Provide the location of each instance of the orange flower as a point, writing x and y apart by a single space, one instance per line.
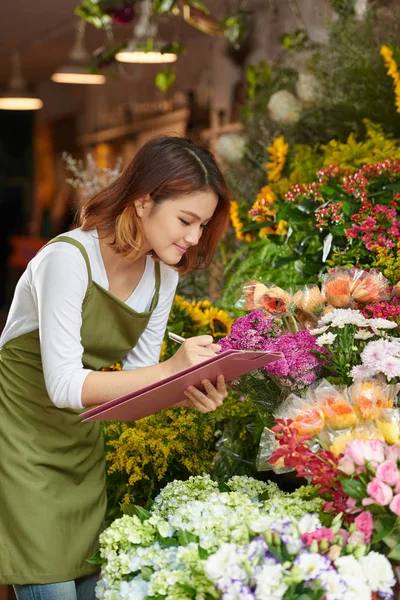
253 292
339 414
370 287
370 397
275 300
310 421
337 291
311 301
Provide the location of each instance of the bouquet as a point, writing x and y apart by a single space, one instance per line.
200 543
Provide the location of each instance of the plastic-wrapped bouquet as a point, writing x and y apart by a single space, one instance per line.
200 543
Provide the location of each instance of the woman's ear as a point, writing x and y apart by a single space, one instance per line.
143 205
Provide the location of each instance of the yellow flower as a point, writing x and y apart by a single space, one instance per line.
219 321
392 71
277 154
237 224
389 431
202 304
163 349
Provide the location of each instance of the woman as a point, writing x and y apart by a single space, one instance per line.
97 295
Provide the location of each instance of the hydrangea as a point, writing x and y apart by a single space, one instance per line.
229 545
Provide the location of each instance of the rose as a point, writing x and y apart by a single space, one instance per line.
365 524
363 451
346 465
379 492
393 453
395 504
388 472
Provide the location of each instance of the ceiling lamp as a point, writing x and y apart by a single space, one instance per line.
143 48
16 96
75 71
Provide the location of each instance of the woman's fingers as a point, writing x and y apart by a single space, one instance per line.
211 400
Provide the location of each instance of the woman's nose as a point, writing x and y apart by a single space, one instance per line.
192 237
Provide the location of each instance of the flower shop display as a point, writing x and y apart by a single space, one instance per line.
339 377
198 542
362 483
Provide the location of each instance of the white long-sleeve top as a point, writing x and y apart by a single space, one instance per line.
49 297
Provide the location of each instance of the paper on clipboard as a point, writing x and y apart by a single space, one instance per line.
164 394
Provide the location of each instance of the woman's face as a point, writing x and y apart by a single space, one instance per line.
172 226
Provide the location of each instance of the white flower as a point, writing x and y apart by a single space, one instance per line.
136 589
378 573
307 88
363 334
361 372
261 524
309 524
334 585
270 584
326 339
217 564
284 107
319 330
312 565
352 573
381 323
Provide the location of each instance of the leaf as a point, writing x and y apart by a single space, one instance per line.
306 206
284 261
163 6
146 572
394 554
133 510
353 488
186 537
380 535
95 559
200 5
203 554
281 214
327 245
164 79
191 592
255 226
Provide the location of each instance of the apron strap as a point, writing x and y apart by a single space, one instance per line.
81 248
157 286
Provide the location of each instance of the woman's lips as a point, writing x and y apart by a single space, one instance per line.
180 249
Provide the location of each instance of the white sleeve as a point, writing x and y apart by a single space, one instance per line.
147 350
59 285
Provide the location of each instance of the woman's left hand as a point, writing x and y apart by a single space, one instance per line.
208 401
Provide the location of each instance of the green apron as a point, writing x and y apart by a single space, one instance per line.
52 466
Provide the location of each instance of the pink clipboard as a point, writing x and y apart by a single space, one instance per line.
164 394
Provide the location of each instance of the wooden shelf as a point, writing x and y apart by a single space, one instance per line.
144 124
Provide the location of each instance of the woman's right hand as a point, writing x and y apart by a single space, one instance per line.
193 351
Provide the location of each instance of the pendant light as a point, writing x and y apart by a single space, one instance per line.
75 71
17 96
144 31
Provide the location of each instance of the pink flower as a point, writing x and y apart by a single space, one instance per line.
388 472
346 465
362 451
365 524
321 534
395 504
379 492
393 453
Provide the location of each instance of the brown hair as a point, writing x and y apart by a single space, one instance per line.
164 167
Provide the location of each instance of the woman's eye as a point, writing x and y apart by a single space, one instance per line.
184 222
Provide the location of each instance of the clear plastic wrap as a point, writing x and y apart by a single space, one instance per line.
270 298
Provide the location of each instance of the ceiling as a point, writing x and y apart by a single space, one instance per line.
43 34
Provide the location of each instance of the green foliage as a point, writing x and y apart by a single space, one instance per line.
164 79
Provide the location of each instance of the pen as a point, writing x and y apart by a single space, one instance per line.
175 337
178 338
